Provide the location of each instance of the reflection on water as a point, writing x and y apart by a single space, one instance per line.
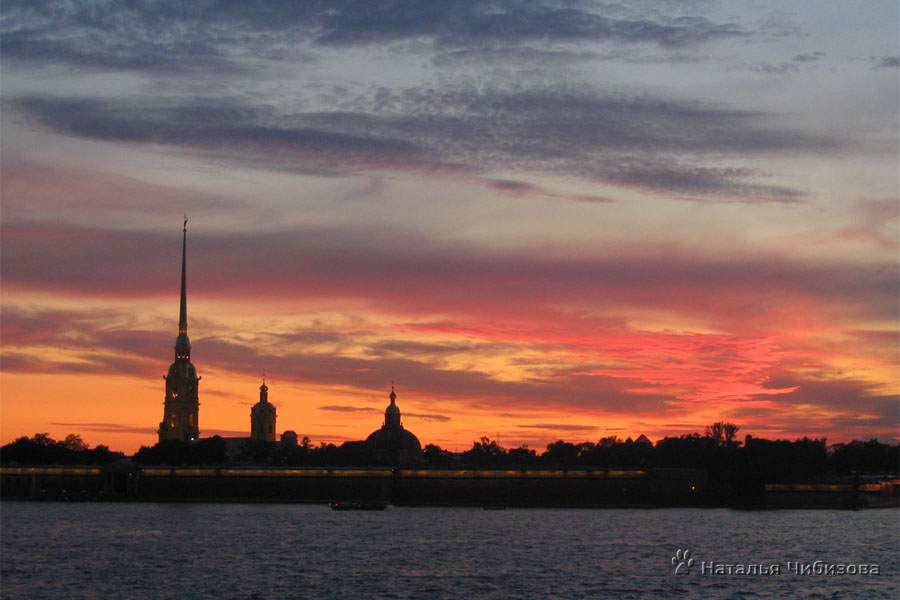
134 551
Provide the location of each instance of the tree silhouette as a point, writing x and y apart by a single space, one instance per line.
723 433
562 454
75 443
436 456
484 453
41 449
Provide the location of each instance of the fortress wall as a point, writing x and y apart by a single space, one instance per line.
455 487
843 495
576 487
543 487
278 485
51 483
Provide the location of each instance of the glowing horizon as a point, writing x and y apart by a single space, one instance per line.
575 224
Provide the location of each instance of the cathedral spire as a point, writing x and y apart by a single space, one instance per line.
181 408
183 343
182 317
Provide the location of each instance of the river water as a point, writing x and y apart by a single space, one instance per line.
273 551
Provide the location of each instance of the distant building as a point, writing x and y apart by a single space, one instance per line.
262 417
392 441
643 439
181 406
289 439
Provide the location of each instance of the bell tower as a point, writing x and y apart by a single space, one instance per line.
181 406
262 417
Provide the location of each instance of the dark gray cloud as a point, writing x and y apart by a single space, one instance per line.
810 57
464 22
639 142
218 34
515 187
780 68
888 62
108 35
213 124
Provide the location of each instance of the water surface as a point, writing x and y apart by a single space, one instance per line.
275 551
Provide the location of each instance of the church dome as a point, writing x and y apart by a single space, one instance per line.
392 438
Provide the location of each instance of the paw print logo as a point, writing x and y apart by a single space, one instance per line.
682 562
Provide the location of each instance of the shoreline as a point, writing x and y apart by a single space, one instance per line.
506 488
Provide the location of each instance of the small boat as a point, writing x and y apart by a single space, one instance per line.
358 505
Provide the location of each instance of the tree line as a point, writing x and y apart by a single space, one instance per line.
41 449
731 463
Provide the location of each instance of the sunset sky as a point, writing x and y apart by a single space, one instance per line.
543 220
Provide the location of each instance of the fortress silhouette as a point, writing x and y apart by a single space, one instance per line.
181 407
